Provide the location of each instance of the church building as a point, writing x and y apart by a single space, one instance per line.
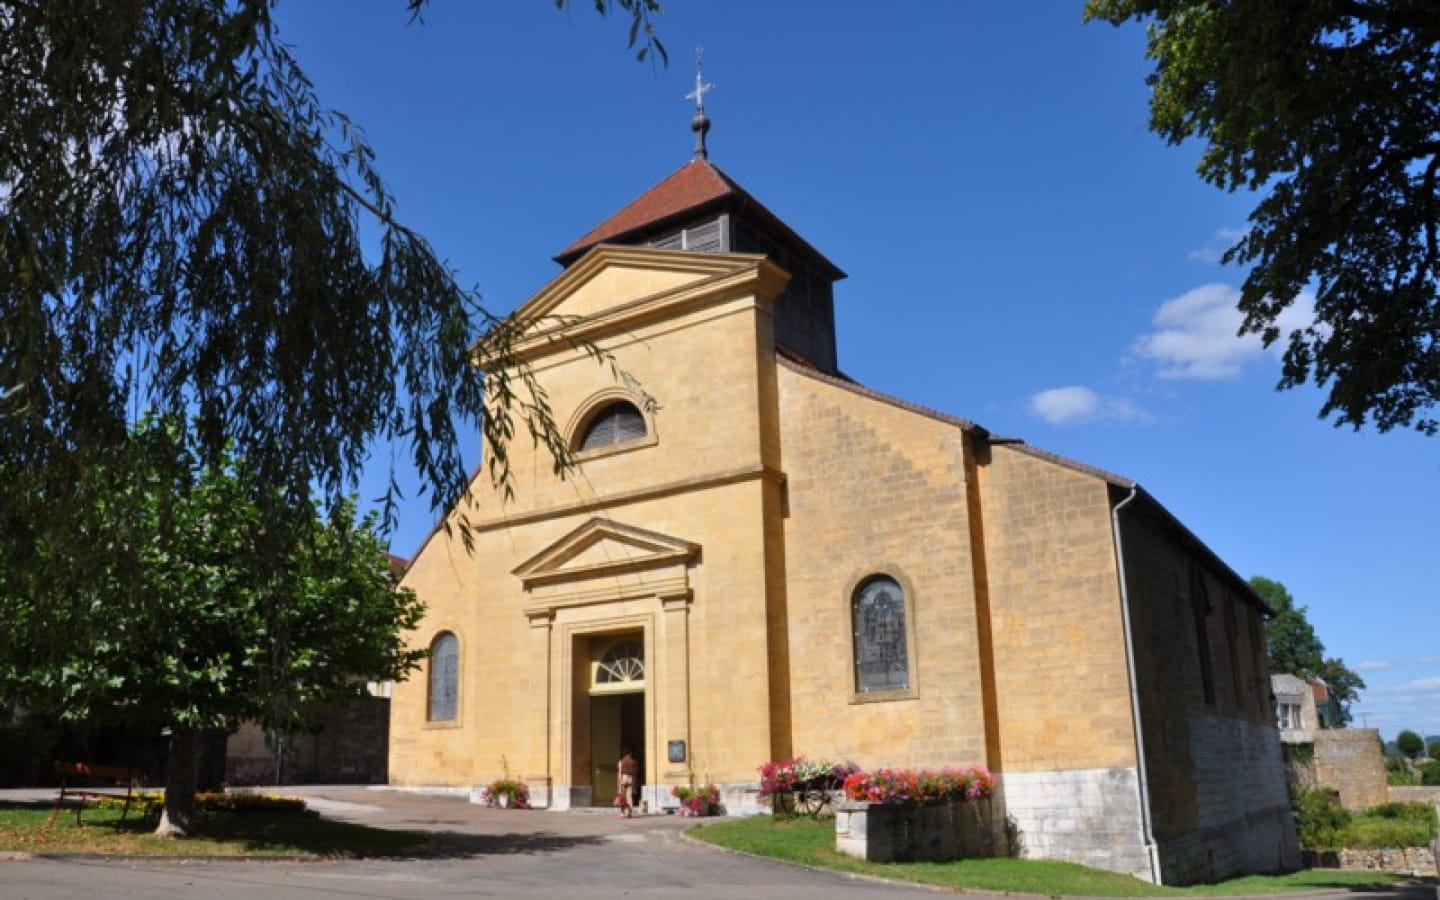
757 558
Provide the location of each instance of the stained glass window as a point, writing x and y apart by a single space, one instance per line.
882 661
445 678
615 424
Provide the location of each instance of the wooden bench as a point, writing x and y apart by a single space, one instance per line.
131 779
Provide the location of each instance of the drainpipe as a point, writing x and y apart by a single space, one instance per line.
1147 831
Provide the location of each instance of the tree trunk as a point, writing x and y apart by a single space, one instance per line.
180 814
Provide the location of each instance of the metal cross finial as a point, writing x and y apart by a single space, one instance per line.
700 123
702 87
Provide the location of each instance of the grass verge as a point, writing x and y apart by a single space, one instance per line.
812 843
27 828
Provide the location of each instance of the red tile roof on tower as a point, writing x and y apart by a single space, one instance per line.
691 186
694 186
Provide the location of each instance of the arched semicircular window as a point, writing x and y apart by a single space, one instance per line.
615 423
882 654
444 678
624 662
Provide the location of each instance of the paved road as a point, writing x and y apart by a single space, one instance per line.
482 853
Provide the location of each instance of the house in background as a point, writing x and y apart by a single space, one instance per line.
1295 708
758 557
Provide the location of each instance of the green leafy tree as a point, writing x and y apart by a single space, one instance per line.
202 612
1410 744
1293 647
1330 109
181 224
1432 749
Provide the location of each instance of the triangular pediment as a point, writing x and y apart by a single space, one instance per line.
609 277
603 547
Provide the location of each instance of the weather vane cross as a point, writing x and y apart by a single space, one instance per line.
702 87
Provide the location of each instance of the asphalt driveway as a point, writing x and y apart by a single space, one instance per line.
477 852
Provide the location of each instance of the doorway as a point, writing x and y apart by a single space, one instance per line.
617 724
617 712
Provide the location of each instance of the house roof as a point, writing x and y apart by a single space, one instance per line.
694 187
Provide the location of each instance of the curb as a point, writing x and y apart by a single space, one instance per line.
23 856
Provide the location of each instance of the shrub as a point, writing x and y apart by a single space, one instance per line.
1319 820
1430 772
1416 812
1366 833
907 787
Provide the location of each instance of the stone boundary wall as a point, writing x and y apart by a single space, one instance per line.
1415 794
1350 761
1416 861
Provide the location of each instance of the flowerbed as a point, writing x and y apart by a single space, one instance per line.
911 787
215 801
698 801
801 774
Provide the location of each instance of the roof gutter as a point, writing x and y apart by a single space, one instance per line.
1147 831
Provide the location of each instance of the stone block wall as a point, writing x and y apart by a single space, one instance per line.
1351 761
1215 772
1089 816
1241 803
875 488
1418 862
937 832
349 748
1415 794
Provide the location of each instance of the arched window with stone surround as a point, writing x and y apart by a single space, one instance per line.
615 423
444 678
881 632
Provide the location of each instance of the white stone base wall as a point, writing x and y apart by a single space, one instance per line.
1243 819
1086 816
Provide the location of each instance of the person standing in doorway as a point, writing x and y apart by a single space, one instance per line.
625 772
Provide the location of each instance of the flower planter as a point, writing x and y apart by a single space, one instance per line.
930 832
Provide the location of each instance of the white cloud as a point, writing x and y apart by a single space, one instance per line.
1413 688
1076 404
1374 665
1196 335
1223 239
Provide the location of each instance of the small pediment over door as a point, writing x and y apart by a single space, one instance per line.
605 561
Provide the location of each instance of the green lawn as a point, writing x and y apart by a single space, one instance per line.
813 843
27 828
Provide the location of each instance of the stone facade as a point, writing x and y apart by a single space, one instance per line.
726 551
1351 761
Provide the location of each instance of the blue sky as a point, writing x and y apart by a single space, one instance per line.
1021 250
